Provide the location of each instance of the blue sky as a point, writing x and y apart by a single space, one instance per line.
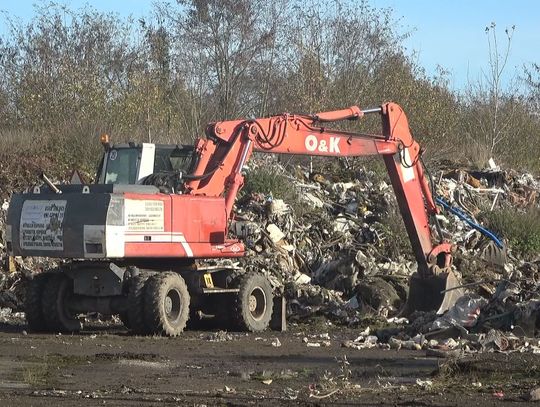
449 33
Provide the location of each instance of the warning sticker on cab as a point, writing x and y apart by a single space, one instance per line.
41 226
144 215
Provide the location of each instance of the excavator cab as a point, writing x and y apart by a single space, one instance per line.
131 163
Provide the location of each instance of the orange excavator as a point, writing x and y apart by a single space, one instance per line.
134 237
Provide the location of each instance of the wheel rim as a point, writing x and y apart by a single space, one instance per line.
173 305
257 303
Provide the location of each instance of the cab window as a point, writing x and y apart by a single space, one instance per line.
122 166
172 159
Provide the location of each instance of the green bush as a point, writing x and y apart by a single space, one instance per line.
267 181
520 228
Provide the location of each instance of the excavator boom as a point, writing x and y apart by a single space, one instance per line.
229 144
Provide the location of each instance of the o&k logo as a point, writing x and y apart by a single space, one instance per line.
312 143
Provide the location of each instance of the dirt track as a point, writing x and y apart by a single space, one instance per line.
105 366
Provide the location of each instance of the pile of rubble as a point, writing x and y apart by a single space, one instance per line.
325 250
8 297
337 248
15 272
328 251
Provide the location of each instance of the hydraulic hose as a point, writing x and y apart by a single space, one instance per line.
464 217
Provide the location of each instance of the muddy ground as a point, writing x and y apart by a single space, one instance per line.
106 366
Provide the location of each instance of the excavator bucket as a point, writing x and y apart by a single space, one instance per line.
433 293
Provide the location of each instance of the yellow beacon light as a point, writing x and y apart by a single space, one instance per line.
105 141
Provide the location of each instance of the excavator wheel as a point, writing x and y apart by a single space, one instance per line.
57 316
32 304
254 303
124 317
166 304
135 312
433 293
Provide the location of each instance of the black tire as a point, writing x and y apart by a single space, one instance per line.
32 304
254 303
56 314
166 305
135 313
124 317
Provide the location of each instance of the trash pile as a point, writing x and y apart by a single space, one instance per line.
335 246
15 272
328 252
325 252
8 297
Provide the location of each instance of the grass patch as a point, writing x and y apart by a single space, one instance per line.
396 241
489 370
42 371
36 375
520 228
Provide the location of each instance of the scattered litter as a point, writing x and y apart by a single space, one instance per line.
219 336
425 384
275 233
498 394
291 394
398 321
400 344
465 312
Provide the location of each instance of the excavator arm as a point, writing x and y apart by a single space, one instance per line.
229 144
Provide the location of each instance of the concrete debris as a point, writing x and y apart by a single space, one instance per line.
276 343
534 395
274 233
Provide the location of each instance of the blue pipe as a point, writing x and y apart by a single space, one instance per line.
464 217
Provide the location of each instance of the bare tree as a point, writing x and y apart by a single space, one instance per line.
489 107
218 46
